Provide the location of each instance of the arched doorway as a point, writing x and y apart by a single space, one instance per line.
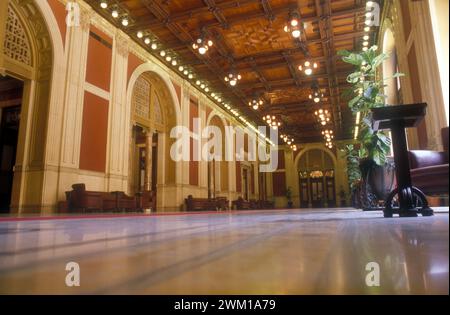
26 61
316 173
153 116
218 168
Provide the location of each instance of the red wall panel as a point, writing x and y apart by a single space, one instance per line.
133 63
94 133
60 13
279 184
98 68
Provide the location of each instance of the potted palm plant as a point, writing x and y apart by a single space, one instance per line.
366 93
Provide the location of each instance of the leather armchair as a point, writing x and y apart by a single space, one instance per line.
429 169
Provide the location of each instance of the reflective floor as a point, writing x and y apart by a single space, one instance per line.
273 252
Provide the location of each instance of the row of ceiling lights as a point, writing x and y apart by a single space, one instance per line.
369 15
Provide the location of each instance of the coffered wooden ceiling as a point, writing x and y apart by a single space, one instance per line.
249 35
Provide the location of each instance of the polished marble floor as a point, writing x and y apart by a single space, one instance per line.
271 252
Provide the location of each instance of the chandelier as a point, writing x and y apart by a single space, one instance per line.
256 103
316 94
328 136
202 45
323 116
293 25
289 141
307 67
232 78
272 122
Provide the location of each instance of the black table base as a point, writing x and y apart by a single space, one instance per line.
406 200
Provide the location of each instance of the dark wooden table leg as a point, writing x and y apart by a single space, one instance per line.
404 185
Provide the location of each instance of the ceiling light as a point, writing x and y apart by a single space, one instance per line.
162 53
181 68
115 14
147 41
168 58
255 103
202 45
154 46
174 62
306 67
367 29
103 4
232 78
316 94
190 76
293 25
125 22
185 72
366 43
366 37
140 34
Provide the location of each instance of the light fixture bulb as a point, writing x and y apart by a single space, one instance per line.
103 4
296 33
202 50
125 22
308 71
147 41
115 14
140 34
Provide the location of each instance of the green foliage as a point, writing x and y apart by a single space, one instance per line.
354 174
366 94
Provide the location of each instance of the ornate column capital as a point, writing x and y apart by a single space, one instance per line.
122 45
86 16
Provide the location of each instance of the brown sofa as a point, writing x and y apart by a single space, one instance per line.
429 169
82 200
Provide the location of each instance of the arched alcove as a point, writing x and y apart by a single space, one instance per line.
316 169
153 115
28 57
218 170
